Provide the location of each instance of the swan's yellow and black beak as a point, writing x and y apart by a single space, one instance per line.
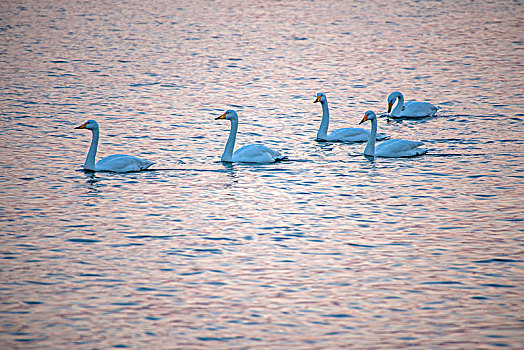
317 100
83 126
364 119
223 116
390 104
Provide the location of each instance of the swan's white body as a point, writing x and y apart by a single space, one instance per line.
410 109
394 148
119 163
339 135
249 153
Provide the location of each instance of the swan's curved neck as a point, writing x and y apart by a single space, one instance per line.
322 131
370 147
90 160
398 108
227 156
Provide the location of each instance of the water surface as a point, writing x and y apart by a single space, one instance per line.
325 250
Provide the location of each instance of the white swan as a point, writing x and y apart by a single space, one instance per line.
339 135
117 163
410 109
249 153
393 148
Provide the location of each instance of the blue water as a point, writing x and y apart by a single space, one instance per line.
326 250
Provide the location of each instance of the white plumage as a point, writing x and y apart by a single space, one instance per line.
339 135
409 109
249 153
119 163
391 148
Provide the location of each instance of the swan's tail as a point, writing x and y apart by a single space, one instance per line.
281 159
145 164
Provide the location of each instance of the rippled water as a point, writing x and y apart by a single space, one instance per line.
325 250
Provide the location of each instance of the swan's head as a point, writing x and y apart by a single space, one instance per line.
369 115
321 97
90 124
229 115
392 98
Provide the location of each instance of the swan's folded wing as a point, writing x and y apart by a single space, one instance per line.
418 109
122 163
349 135
399 148
256 154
